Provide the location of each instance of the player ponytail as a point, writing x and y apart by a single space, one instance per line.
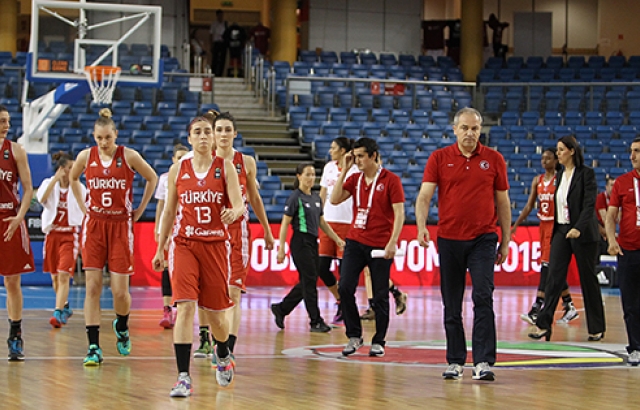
104 119
211 116
61 159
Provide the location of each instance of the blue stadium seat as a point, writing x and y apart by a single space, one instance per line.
530 118
552 118
604 132
583 132
573 118
593 118
628 132
592 146
620 147
607 160
509 118
358 115
634 118
614 118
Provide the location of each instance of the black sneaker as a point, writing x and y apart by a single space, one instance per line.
279 317
15 349
320 327
337 319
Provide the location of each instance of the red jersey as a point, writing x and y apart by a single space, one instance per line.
9 197
466 190
61 222
238 164
546 191
379 225
200 202
623 195
602 202
261 36
109 186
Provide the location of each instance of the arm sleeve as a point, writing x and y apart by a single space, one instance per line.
350 185
502 181
431 170
291 206
323 178
615 199
396 192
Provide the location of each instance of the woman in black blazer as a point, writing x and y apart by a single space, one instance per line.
575 232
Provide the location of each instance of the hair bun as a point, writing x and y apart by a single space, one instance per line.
105 113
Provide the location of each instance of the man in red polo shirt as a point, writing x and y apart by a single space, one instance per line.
378 216
625 195
472 195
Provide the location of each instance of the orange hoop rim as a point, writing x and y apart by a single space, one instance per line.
97 71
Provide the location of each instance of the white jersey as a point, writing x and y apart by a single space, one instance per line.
161 195
342 213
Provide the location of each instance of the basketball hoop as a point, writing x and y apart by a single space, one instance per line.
102 81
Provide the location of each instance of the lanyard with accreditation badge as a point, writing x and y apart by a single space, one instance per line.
363 213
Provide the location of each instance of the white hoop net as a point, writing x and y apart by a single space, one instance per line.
102 82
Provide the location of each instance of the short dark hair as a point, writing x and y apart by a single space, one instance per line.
571 142
554 151
370 145
3 108
225 116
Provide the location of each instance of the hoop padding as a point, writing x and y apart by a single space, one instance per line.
102 82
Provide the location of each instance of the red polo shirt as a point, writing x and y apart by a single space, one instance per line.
623 196
602 202
466 190
379 226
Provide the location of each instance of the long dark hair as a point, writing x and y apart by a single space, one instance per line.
61 159
299 170
571 143
344 143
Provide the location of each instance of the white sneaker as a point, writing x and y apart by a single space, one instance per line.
354 344
376 350
570 313
224 370
482 371
182 388
634 358
453 372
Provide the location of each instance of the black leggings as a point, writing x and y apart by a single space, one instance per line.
324 270
166 283
304 251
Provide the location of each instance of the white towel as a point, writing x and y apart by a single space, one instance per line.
50 206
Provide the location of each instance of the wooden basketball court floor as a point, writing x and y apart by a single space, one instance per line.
296 369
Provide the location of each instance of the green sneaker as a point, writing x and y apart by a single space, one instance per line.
94 356
204 350
123 344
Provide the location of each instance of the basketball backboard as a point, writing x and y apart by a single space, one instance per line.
67 36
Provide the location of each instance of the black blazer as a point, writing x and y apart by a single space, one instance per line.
581 200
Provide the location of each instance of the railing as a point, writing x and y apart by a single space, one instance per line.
354 81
